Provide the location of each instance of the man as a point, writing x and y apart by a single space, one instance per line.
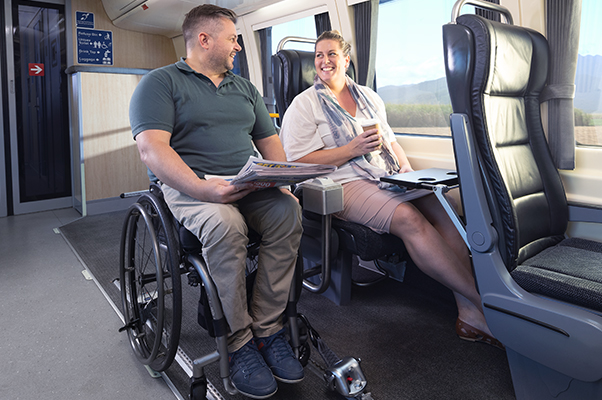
196 117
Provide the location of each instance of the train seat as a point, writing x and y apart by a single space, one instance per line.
293 72
541 291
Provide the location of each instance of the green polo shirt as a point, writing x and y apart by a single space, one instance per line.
212 128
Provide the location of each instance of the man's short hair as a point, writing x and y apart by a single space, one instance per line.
200 17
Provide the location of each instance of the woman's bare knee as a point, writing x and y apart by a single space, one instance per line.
407 220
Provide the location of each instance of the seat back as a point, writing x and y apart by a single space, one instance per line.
293 71
495 74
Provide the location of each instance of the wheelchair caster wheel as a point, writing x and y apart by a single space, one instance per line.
198 388
304 353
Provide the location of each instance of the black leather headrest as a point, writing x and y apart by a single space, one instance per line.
293 71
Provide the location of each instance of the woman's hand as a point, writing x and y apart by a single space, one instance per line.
365 143
405 168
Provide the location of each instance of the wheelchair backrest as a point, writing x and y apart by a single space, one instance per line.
495 74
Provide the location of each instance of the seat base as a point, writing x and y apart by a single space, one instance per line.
339 291
571 271
532 380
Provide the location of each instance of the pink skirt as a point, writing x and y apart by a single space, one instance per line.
364 203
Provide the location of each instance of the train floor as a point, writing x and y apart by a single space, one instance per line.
60 336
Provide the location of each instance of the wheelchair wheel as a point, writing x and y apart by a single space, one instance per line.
150 283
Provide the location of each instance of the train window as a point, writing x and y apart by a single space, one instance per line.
271 36
240 61
303 27
588 79
410 73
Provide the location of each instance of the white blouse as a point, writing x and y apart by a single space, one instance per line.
305 129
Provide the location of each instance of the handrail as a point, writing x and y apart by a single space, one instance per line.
293 39
482 4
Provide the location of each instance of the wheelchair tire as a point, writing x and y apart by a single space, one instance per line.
198 388
151 292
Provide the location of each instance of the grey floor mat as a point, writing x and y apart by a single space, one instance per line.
403 332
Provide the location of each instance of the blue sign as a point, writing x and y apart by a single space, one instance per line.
94 47
84 20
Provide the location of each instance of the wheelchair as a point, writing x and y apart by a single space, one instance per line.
156 250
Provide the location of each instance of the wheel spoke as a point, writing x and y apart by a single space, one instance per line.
150 282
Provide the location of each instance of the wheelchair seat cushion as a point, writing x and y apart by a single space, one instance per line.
189 242
570 271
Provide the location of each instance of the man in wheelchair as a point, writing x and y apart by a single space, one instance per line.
194 118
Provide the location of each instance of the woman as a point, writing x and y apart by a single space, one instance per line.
322 126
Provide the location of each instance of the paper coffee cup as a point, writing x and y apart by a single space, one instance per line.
368 124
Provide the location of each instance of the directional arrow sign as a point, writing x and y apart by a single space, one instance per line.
36 69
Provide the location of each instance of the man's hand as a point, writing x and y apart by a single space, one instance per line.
288 192
221 191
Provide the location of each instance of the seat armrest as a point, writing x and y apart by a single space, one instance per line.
479 229
585 213
322 196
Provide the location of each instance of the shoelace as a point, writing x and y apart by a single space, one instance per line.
249 360
279 347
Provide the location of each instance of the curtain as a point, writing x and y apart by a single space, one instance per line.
366 20
562 24
242 59
322 23
265 47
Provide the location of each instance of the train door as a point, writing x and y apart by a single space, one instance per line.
36 131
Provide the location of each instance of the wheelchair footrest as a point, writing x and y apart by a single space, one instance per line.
346 377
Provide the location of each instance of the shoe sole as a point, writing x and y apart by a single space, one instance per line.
283 380
254 396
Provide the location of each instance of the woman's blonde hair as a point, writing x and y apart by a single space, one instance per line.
337 37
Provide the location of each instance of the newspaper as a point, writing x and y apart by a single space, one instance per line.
265 173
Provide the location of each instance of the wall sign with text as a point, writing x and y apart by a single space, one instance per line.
94 47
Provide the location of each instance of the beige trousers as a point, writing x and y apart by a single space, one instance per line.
223 229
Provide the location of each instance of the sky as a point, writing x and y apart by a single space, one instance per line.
400 62
591 29
402 59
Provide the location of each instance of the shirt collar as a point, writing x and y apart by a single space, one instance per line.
182 66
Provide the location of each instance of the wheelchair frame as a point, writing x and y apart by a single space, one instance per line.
152 261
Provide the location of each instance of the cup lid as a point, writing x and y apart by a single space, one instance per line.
368 122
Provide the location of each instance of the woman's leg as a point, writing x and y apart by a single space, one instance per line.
439 251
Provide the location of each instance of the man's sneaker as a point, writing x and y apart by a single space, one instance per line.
249 373
279 355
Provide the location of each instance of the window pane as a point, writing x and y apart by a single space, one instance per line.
409 64
588 79
304 27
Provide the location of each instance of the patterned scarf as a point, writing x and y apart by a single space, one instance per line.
344 128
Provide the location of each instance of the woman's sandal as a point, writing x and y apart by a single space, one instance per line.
472 334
